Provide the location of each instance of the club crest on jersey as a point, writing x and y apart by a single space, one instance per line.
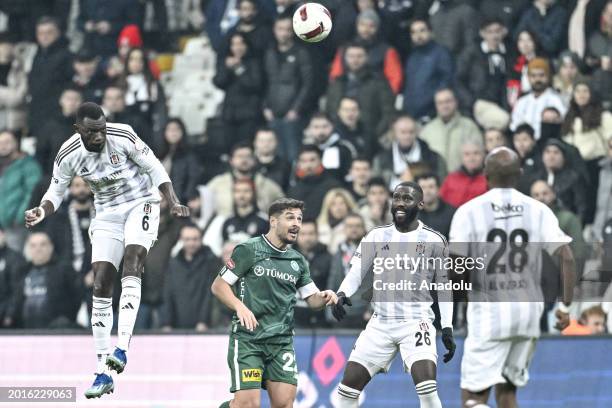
114 158
420 248
295 266
147 208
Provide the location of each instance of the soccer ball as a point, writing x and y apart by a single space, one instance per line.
312 22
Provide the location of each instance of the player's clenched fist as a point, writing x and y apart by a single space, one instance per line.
449 343
179 210
338 308
329 297
563 320
246 317
34 216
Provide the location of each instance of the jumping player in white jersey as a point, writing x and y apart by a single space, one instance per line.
502 330
402 320
124 176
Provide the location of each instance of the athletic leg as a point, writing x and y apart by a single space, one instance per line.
282 395
133 265
505 396
470 398
354 380
424 377
244 399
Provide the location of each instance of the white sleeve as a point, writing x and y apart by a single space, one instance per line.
460 232
307 290
62 176
142 155
445 297
552 235
357 270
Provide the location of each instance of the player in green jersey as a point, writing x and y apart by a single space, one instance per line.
259 283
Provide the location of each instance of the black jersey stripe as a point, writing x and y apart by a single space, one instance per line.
65 149
129 134
425 227
65 154
383 226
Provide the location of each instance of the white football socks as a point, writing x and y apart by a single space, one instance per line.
101 325
128 310
428 394
347 397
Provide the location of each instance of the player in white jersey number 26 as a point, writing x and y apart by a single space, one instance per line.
403 318
125 178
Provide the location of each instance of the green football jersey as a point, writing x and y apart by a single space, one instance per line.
266 279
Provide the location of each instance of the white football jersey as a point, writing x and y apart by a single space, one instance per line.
124 172
397 293
510 230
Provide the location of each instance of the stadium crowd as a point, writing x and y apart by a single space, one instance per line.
401 90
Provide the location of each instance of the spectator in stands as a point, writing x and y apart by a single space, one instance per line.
269 162
547 19
449 130
144 96
312 181
350 127
52 290
179 160
86 76
568 221
382 59
115 110
358 178
288 96
187 295
239 74
337 152
12 272
494 138
429 67
253 26
603 213
337 204
376 210
482 68
454 24
102 20
19 174
129 38
584 18
396 17
13 86
242 163
509 11
436 213
370 89
246 219
564 179
588 127
50 74
469 180
592 321
319 262
567 76
394 164
523 141
529 107
599 56
527 48
353 231
155 267
58 129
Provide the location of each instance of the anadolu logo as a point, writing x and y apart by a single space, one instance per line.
259 270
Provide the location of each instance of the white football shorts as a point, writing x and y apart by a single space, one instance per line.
377 345
110 237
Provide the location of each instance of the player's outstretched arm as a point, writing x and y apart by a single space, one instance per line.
223 291
37 214
321 299
568 272
176 208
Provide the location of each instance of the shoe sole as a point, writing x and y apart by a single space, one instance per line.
115 364
90 396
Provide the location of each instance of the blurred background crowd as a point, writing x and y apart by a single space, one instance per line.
241 112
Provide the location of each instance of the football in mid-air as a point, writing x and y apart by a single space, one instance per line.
312 22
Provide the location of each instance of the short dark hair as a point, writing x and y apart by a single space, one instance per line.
354 215
350 98
426 176
48 20
311 221
487 21
89 110
361 158
355 44
190 224
524 128
240 145
282 204
411 184
377 181
419 20
321 115
310 148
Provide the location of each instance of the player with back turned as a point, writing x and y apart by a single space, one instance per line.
402 321
503 316
259 283
125 178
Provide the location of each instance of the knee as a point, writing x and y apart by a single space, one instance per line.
132 265
287 403
250 403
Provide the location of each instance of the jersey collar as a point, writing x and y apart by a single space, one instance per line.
272 245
